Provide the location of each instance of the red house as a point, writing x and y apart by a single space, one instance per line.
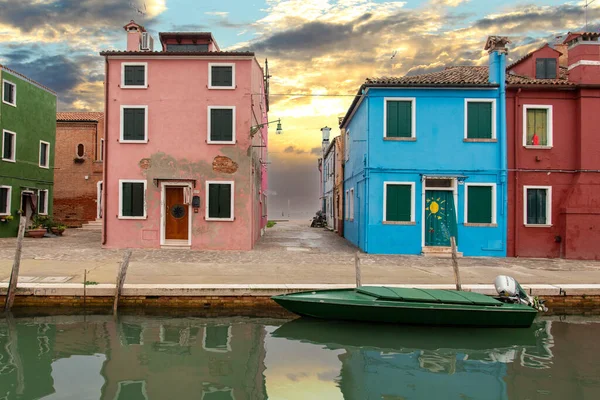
553 121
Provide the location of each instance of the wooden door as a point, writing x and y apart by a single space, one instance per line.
176 214
440 217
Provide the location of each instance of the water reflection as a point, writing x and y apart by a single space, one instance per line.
222 359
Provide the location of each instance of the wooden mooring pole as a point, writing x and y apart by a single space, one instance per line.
357 268
455 263
121 273
14 275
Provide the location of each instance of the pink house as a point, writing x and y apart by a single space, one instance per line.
185 146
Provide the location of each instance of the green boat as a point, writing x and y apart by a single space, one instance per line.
413 306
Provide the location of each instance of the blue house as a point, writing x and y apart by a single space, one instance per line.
426 160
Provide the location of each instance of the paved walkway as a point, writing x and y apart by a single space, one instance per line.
290 253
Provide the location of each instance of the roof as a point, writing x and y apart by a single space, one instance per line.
526 56
177 53
75 116
589 36
463 76
331 145
20 75
175 35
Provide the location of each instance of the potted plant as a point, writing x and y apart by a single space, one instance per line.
37 229
58 229
6 218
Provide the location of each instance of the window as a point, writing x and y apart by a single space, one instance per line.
537 126
44 154
352 204
399 118
132 199
480 119
347 205
134 124
398 201
219 201
43 202
134 75
5 196
9 93
187 47
101 150
480 203
218 394
545 68
132 334
221 125
217 338
8 145
347 145
538 205
80 150
221 76
131 390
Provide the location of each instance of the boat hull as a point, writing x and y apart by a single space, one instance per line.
412 313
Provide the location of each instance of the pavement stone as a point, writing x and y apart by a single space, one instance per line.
289 253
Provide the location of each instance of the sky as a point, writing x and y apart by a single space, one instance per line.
319 52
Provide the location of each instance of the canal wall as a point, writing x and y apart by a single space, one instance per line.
253 300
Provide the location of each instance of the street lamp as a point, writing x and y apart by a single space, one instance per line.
255 128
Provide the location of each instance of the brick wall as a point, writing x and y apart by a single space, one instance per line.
75 197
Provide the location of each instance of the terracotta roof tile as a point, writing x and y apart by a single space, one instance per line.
73 116
451 76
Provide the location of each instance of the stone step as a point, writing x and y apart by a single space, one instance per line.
439 251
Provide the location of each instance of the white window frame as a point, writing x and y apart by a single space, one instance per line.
347 203
233 122
549 123
467 101
229 336
352 204
212 390
14 91
121 182
122 125
123 383
347 145
413 109
101 149
232 184
8 200
232 65
47 166
134 64
494 204
45 202
14 146
548 206
412 201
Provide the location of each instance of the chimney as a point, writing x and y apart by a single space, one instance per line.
584 57
325 131
563 60
496 47
134 35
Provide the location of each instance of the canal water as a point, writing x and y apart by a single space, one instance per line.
135 358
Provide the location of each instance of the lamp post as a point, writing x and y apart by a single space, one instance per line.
255 128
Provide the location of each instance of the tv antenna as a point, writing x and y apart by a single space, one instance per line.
585 7
392 61
141 11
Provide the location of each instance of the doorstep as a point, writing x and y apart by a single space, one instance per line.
438 251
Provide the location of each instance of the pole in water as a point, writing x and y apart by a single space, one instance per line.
357 268
455 263
121 272
14 275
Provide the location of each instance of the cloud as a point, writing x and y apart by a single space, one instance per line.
316 151
448 3
294 150
218 13
189 28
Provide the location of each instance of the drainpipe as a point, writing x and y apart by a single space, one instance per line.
503 144
105 157
366 194
516 191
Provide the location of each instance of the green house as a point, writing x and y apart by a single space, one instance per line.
28 128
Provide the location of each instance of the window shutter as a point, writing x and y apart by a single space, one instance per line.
137 199
222 76
540 68
213 201
479 120
551 68
221 124
42 202
536 206
3 200
8 92
399 119
127 200
479 207
140 123
129 78
43 154
392 119
139 75
537 122
398 203
225 201
8 146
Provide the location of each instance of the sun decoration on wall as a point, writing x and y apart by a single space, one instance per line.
436 208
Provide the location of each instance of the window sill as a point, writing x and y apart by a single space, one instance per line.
133 141
399 223
10 104
219 142
473 224
221 87
537 226
400 139
473 140
122 217
531 147
220 219
45 167
9 160
134 87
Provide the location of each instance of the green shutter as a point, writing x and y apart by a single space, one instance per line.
127 195
398 203
133 199
537 122
216 337
8 146
540 69
213 201
4 200
135 75
9 93
225 201
131 391
221 125
399 119
134 124
545 68
479 120
536 206
219 200
43 154
480 203
221 76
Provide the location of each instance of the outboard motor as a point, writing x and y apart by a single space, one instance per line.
509 289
